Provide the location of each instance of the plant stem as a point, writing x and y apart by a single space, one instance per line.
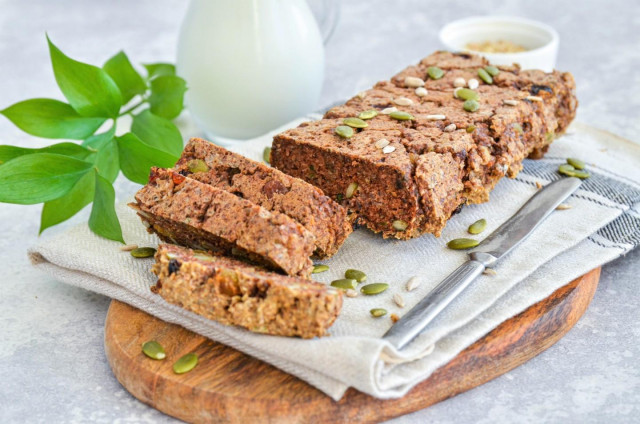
134 107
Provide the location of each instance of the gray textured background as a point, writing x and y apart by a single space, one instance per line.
52 363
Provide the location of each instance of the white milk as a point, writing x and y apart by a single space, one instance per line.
250 65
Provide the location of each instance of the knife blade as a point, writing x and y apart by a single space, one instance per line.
493 248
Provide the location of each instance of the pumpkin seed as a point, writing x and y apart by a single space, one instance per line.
421 92
484 76
143 252
583 175
355 274
566 169
576 163
471 128
375 288
467 94
401 116
344 131
317 269
378 312
471 105
197 165
344 283
351 190
368 114
413 82
492 70
355 122
462 243
478 226
266 155
399 225
434 72
186 363
154 350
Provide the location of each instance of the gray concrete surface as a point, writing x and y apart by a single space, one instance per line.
52 363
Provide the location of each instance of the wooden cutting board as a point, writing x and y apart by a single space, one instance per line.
228 386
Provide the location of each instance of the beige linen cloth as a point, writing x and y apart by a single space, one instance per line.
603 223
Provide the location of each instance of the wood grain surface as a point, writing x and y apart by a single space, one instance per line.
228 386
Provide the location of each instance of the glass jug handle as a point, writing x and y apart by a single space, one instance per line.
328 16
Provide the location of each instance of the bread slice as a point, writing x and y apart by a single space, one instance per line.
443 158
235 293
269 188
187 212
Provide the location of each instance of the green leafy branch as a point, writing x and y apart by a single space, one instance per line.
67 176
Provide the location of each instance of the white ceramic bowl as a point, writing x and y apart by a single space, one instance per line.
540 40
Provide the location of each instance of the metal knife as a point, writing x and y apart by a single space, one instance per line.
493 248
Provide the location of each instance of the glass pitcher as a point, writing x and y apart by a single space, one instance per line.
252 65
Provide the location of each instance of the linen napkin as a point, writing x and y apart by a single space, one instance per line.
602 224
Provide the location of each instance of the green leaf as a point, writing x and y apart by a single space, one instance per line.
159 69
39 177
50 118
106 160
157 132
89 89
167 96
137 158
63 208
66 149
103 220
125 76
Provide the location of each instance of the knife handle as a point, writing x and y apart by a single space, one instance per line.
412 324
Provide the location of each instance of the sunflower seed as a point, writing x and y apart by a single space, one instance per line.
361 95
375 288
435 117
459 82
128 247
563 207
185 363
450 128
143 252
389 110
421 92
351 293
378 312
462 243
510 102
413 82
154 350
473 83
534 98
355 274
403 101
351 190
398 300
399 225
388 149
317 269
489 271
413 283
383 142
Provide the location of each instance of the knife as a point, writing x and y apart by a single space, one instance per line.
492 249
